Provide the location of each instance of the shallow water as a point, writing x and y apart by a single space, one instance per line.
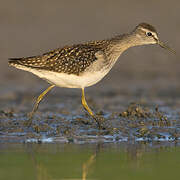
97 161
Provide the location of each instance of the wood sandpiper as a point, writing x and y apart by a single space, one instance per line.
83 65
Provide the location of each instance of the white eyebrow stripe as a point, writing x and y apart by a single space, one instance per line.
144 29
154 35
147 30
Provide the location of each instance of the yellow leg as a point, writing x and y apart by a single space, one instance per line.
39 100
85 105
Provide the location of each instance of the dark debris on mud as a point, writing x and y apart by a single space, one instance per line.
137 123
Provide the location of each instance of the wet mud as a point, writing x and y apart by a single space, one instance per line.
121 119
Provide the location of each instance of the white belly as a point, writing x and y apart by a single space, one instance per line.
68 80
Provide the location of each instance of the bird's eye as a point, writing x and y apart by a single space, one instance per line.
149 34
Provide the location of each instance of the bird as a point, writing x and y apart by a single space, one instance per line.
85 64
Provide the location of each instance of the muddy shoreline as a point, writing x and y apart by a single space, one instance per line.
148 119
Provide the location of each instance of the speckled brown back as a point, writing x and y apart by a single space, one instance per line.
70 59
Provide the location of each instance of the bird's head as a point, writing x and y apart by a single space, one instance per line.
147 34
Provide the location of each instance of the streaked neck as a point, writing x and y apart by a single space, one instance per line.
119 44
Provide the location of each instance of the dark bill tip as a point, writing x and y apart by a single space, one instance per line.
166 47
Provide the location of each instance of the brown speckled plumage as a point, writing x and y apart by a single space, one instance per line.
70 59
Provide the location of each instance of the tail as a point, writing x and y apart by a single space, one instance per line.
14 61
18 63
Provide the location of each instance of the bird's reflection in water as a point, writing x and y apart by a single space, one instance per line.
89 163
42 171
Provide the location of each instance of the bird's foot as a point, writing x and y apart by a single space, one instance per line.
99 121
28 123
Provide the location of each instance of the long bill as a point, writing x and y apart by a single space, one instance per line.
166 47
